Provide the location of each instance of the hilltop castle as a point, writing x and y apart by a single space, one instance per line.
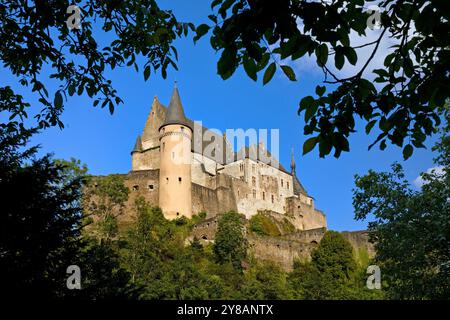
186 169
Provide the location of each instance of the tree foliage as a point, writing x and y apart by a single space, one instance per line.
230 243
103 201
35 40
411 228
39 221
263 35
331 274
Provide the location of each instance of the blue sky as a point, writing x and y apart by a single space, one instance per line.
104 141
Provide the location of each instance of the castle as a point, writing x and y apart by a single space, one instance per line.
186 169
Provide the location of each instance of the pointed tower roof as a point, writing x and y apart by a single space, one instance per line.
292 162
298 187
175 112
137 145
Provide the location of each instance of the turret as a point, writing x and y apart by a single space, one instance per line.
292 162
136 153
175 197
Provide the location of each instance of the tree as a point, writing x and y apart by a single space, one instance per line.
160 263
40 218
411 86
265 280
230 244
103 201
331 274
411 229
38 36
334 256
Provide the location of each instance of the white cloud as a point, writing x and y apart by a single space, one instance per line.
307 64
419 182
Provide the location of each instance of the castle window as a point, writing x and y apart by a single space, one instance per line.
182 129
254 181
264 195
282 182
239 193
150 187
135 188
167 179
164 146
179 179
178 214
254 194
287 184
273 199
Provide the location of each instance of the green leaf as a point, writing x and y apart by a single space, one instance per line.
58 100
320 90
350 53
146 73
201 31
309 145
311 111
383 145
305 103
111 107
264 61
270 71
288 72
250 67
339 60
322 54
71 89
407 151
227 63
370 125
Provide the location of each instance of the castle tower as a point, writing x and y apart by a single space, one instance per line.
136 152
175 197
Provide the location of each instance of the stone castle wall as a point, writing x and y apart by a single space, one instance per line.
286 249
281 251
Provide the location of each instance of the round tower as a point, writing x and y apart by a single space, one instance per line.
175 197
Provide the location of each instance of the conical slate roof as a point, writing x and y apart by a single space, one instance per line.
298 187
175 112
137 145
292 162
